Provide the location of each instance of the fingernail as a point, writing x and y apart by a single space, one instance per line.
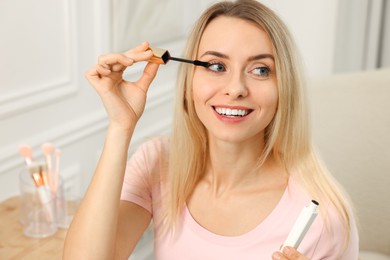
276 256
286 251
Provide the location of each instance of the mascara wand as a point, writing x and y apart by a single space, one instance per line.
162 56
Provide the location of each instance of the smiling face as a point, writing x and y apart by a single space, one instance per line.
236 96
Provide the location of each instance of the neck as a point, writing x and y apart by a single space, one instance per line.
233 165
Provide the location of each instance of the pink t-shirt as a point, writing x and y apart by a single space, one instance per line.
144 186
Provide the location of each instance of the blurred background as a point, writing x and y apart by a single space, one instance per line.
46 46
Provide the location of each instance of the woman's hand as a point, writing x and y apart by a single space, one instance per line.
288 253
124 101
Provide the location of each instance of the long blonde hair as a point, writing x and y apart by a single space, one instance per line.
287 138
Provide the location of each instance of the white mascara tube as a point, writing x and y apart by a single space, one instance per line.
302 225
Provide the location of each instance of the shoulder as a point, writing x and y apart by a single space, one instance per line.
149 156
334 239
152 149
154 145
341 236
337 240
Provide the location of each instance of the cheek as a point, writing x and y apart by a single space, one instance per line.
267 99
272 101
271 96
202 90
266 94
274 98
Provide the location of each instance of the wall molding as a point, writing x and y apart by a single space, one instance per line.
61 136
78 129
103 30
359 35
17 102
163 128
71 180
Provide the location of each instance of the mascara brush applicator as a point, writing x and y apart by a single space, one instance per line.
162 56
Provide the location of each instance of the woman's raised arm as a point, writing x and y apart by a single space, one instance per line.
93 233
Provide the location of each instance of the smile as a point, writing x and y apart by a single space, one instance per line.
231 112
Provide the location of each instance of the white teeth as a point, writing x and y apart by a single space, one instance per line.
231 112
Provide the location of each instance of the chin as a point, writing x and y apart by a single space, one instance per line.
234 138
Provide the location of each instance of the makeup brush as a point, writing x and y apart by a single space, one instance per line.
35 172
26 152
57 170
38 173
47 149
162 56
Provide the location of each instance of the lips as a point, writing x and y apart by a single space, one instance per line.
232 111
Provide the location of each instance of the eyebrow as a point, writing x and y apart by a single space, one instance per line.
252 58
262 56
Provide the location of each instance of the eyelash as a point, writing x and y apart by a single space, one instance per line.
262 68
268 70
216 63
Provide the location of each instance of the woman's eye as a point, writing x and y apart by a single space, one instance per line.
262 71
217 67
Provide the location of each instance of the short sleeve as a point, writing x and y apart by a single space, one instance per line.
137 186
332 243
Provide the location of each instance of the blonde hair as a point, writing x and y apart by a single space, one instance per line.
287 138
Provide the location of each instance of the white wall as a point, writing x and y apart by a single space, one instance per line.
313 25
44 96
41 87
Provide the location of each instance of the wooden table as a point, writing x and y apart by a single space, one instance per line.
15 245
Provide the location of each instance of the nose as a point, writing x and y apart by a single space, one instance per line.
236 86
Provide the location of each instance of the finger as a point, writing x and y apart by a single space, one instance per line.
142 47
280 256
119 60
92 75
102 70
277 256
147 77
96 72
292 254
144 55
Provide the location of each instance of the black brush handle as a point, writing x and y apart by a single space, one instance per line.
195 62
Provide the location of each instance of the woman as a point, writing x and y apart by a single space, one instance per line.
238 168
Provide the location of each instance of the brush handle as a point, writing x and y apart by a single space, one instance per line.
26 152
45 198
57 170
195 62
162 56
